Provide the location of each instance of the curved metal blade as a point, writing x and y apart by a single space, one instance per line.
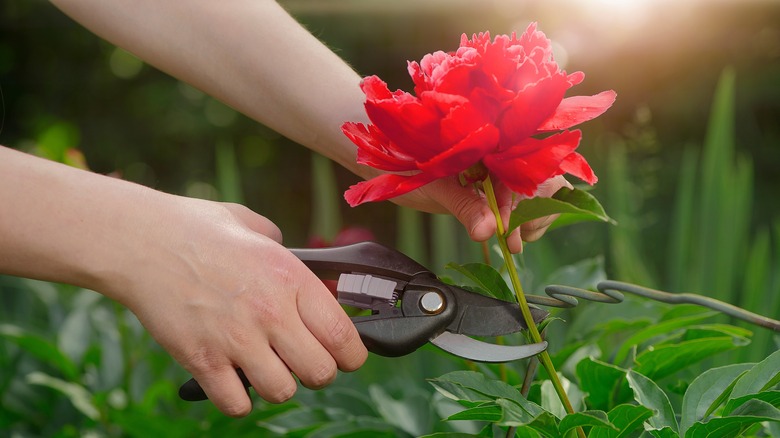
479 315
479 351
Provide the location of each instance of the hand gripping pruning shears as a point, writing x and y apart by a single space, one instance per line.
410 307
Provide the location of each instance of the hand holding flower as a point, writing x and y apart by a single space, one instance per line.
483 109
491 115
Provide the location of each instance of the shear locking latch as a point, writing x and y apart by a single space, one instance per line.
366 291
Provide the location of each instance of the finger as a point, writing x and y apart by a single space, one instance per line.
329 324
468 206
269 375
305 356
552 185
514 239
533 230
225 389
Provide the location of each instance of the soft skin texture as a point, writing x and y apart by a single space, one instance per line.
211 281
256 58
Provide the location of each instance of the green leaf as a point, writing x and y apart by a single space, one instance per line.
552 403
601 381
505 412
666 432
491 400
771 397
485 279
473 389
741 336
356 427
681 311
514 415
649 395
491 412
585 419
448 435
707 392
77 394
665 360
574 205
626 418
762 376
296 420
752 412
410 414
75 334
40 348
660 329
135 423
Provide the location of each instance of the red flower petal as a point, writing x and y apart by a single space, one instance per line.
463 155
575 78
412 126
461 121
375 150
577 109
484 101
576 165
385 187
526 165
530 108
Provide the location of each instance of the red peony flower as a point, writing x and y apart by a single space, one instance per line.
487 102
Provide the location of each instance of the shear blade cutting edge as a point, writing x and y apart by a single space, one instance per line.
479 351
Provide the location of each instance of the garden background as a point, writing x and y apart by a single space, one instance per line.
687 159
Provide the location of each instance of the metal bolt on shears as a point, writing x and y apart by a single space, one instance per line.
410 307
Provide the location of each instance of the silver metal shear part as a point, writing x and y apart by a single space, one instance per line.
409 308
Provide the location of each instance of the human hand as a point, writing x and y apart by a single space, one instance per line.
215 287
447 195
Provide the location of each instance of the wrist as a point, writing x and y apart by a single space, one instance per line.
69 225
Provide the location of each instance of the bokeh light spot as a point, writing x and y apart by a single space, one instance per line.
124 64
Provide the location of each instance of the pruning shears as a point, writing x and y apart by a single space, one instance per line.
410 307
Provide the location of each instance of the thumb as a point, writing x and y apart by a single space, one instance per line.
255 222
467 205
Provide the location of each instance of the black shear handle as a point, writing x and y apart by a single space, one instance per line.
390 337
192 391
364 257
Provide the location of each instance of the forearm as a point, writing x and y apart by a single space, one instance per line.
248 53
63 224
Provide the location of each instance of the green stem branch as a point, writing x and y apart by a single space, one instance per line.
544 357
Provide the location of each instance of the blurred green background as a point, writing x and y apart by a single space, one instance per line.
687 160
663 59
62 84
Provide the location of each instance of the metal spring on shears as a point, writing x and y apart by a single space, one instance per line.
609 291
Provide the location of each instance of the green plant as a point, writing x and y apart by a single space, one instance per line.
622 392
74 363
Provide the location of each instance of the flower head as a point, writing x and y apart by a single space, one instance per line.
496 102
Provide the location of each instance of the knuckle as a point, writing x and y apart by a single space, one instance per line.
342 333
323 375
264 310
203 361
236 409
347 347
281 394
463 207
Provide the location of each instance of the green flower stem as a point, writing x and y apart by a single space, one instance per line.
544 357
